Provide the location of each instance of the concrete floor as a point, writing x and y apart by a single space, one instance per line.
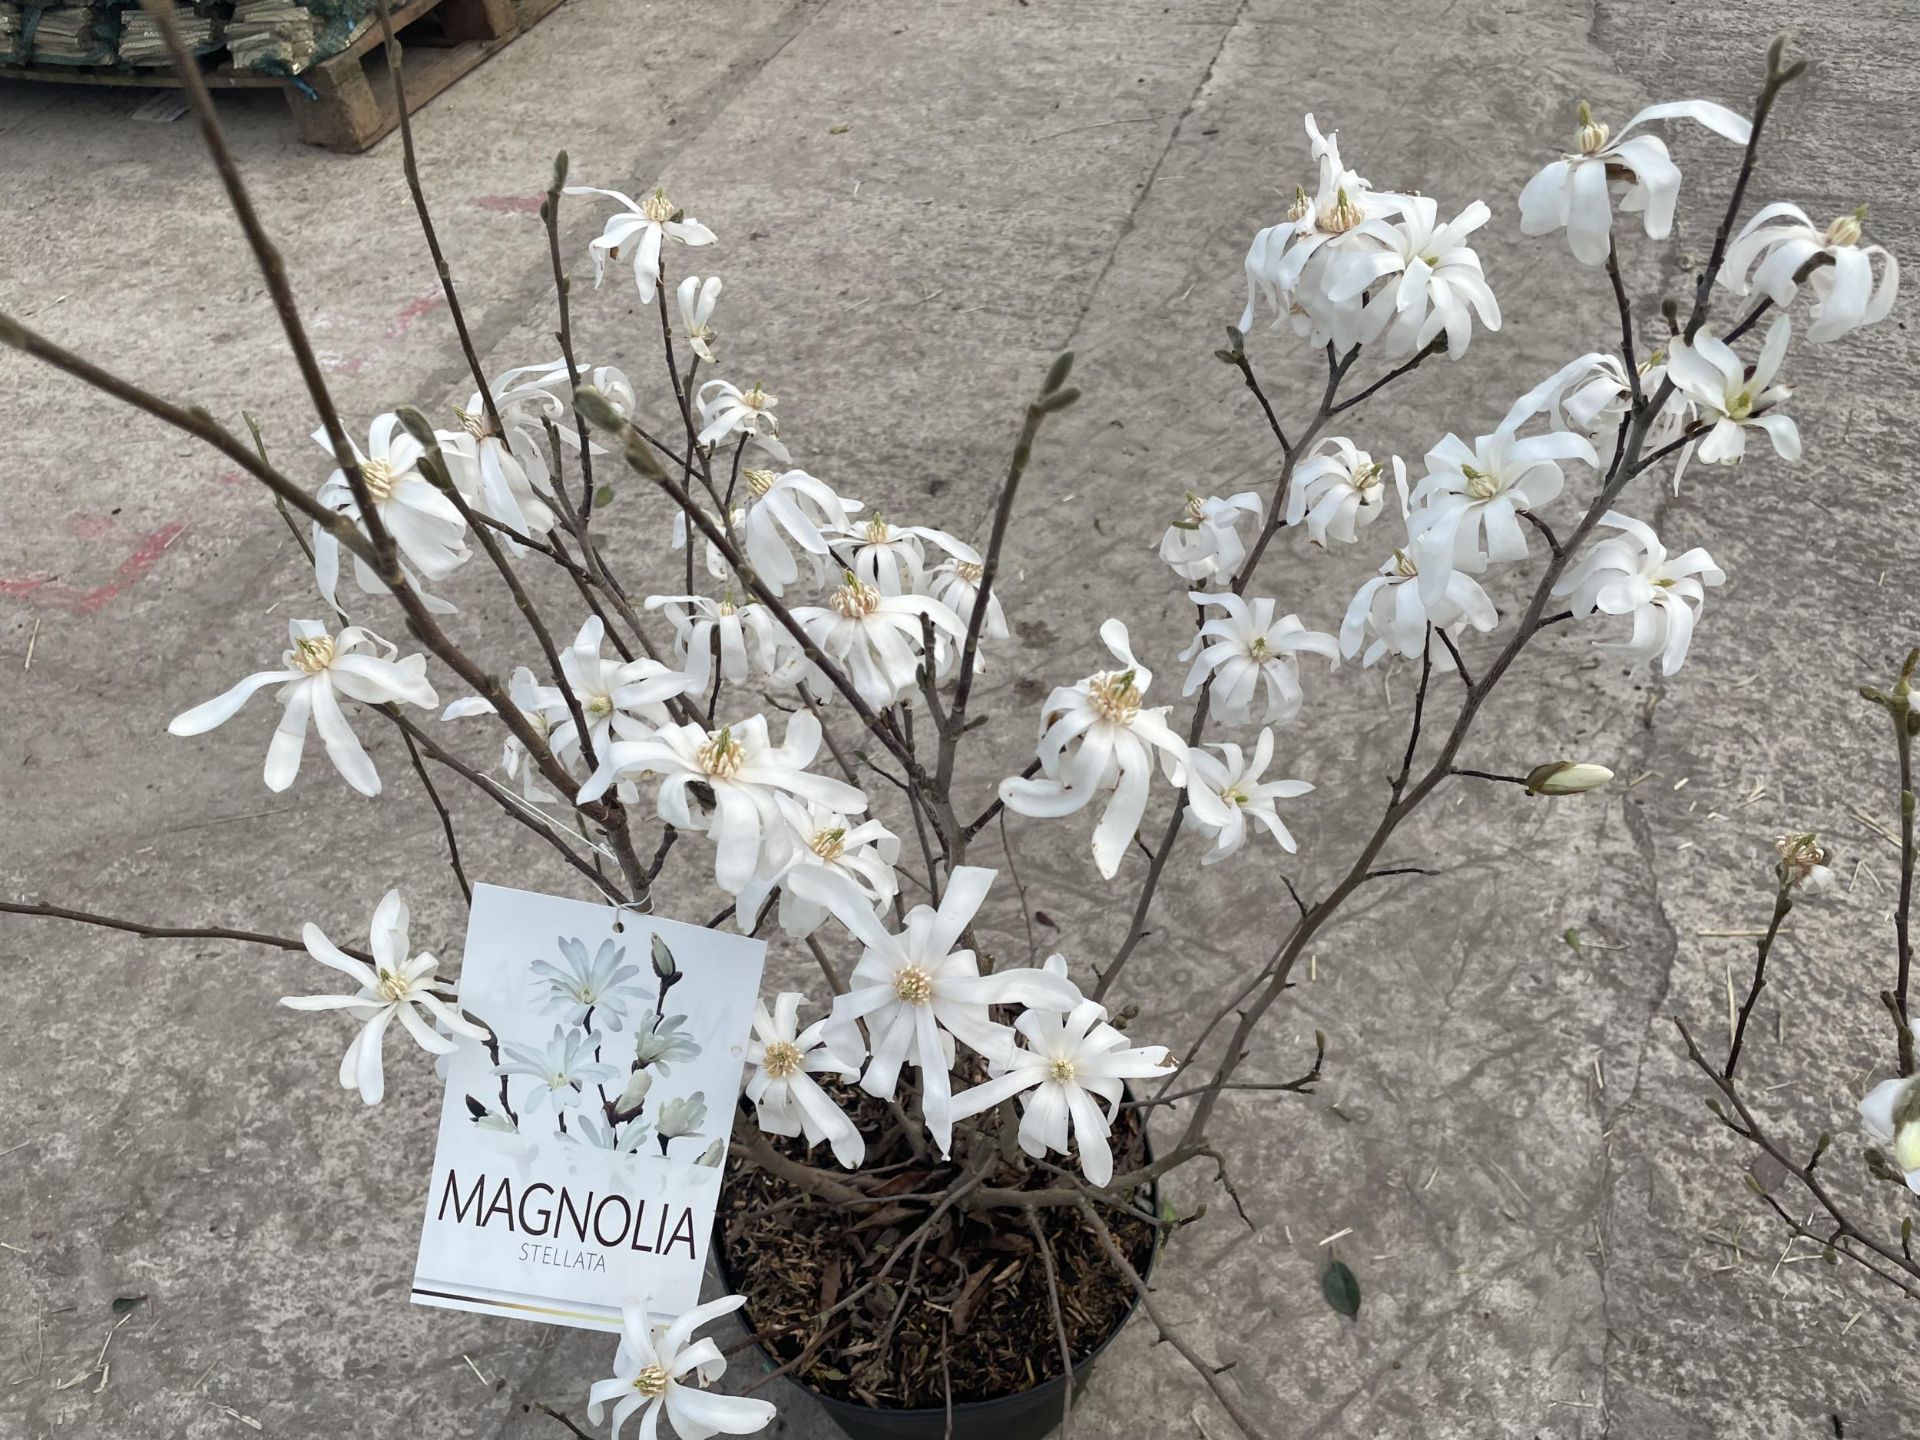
919 205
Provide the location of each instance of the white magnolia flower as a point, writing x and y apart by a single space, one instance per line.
389 990
744 770
1245 648
955 583
620 699
1467 508
317 672
660 1368
1224 791
696 300
555 378
530 698
918 994
582 987
1096 738
1630 574
1891 1113
1389 616
1338 490
680 1117
661 1045
786 1098
876 638
1279 260
1803 863
1574 191
561 1070
425 525
788 509
1593 396
641 229
1423 281
819 837
1204 543
744 637
1071 1060
893 558
594 1134
727 410
1789 246
502 471
1732 397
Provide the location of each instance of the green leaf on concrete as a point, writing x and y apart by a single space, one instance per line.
1572 937
124 1304
1342 1289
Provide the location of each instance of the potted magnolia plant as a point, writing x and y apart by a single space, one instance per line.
941 1195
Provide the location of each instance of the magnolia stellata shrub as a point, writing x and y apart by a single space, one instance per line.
787 595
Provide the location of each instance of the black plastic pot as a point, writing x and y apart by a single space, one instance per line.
1028 1415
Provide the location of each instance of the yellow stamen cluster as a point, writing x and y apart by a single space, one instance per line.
651 1382
1403 565
1302 205
782 1059
1480 485
913 985
379 479
1592 135
856 599
474 425
877 531
656 207
600 705
1341 216
759 481
1366 477
1061 1071
968 571
829 845
721 757
313 654
756 398
392 986
1846 229
1115 697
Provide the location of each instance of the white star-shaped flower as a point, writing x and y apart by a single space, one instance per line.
787 1100
917 993
1226 790
1072 1059
317 672
1630 574
1734 398
390 989
1244 650
1096 738
1792 250
1204 543
661 1368
1574 191
641 229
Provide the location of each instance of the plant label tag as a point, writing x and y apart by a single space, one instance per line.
579 1156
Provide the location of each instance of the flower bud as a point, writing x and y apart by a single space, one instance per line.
635 1095
663 965
1566 777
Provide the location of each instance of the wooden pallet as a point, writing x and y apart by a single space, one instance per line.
346 102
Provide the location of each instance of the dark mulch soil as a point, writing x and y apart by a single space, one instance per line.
979 1293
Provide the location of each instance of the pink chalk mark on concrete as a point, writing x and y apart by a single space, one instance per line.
424 303
55 595
511 204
